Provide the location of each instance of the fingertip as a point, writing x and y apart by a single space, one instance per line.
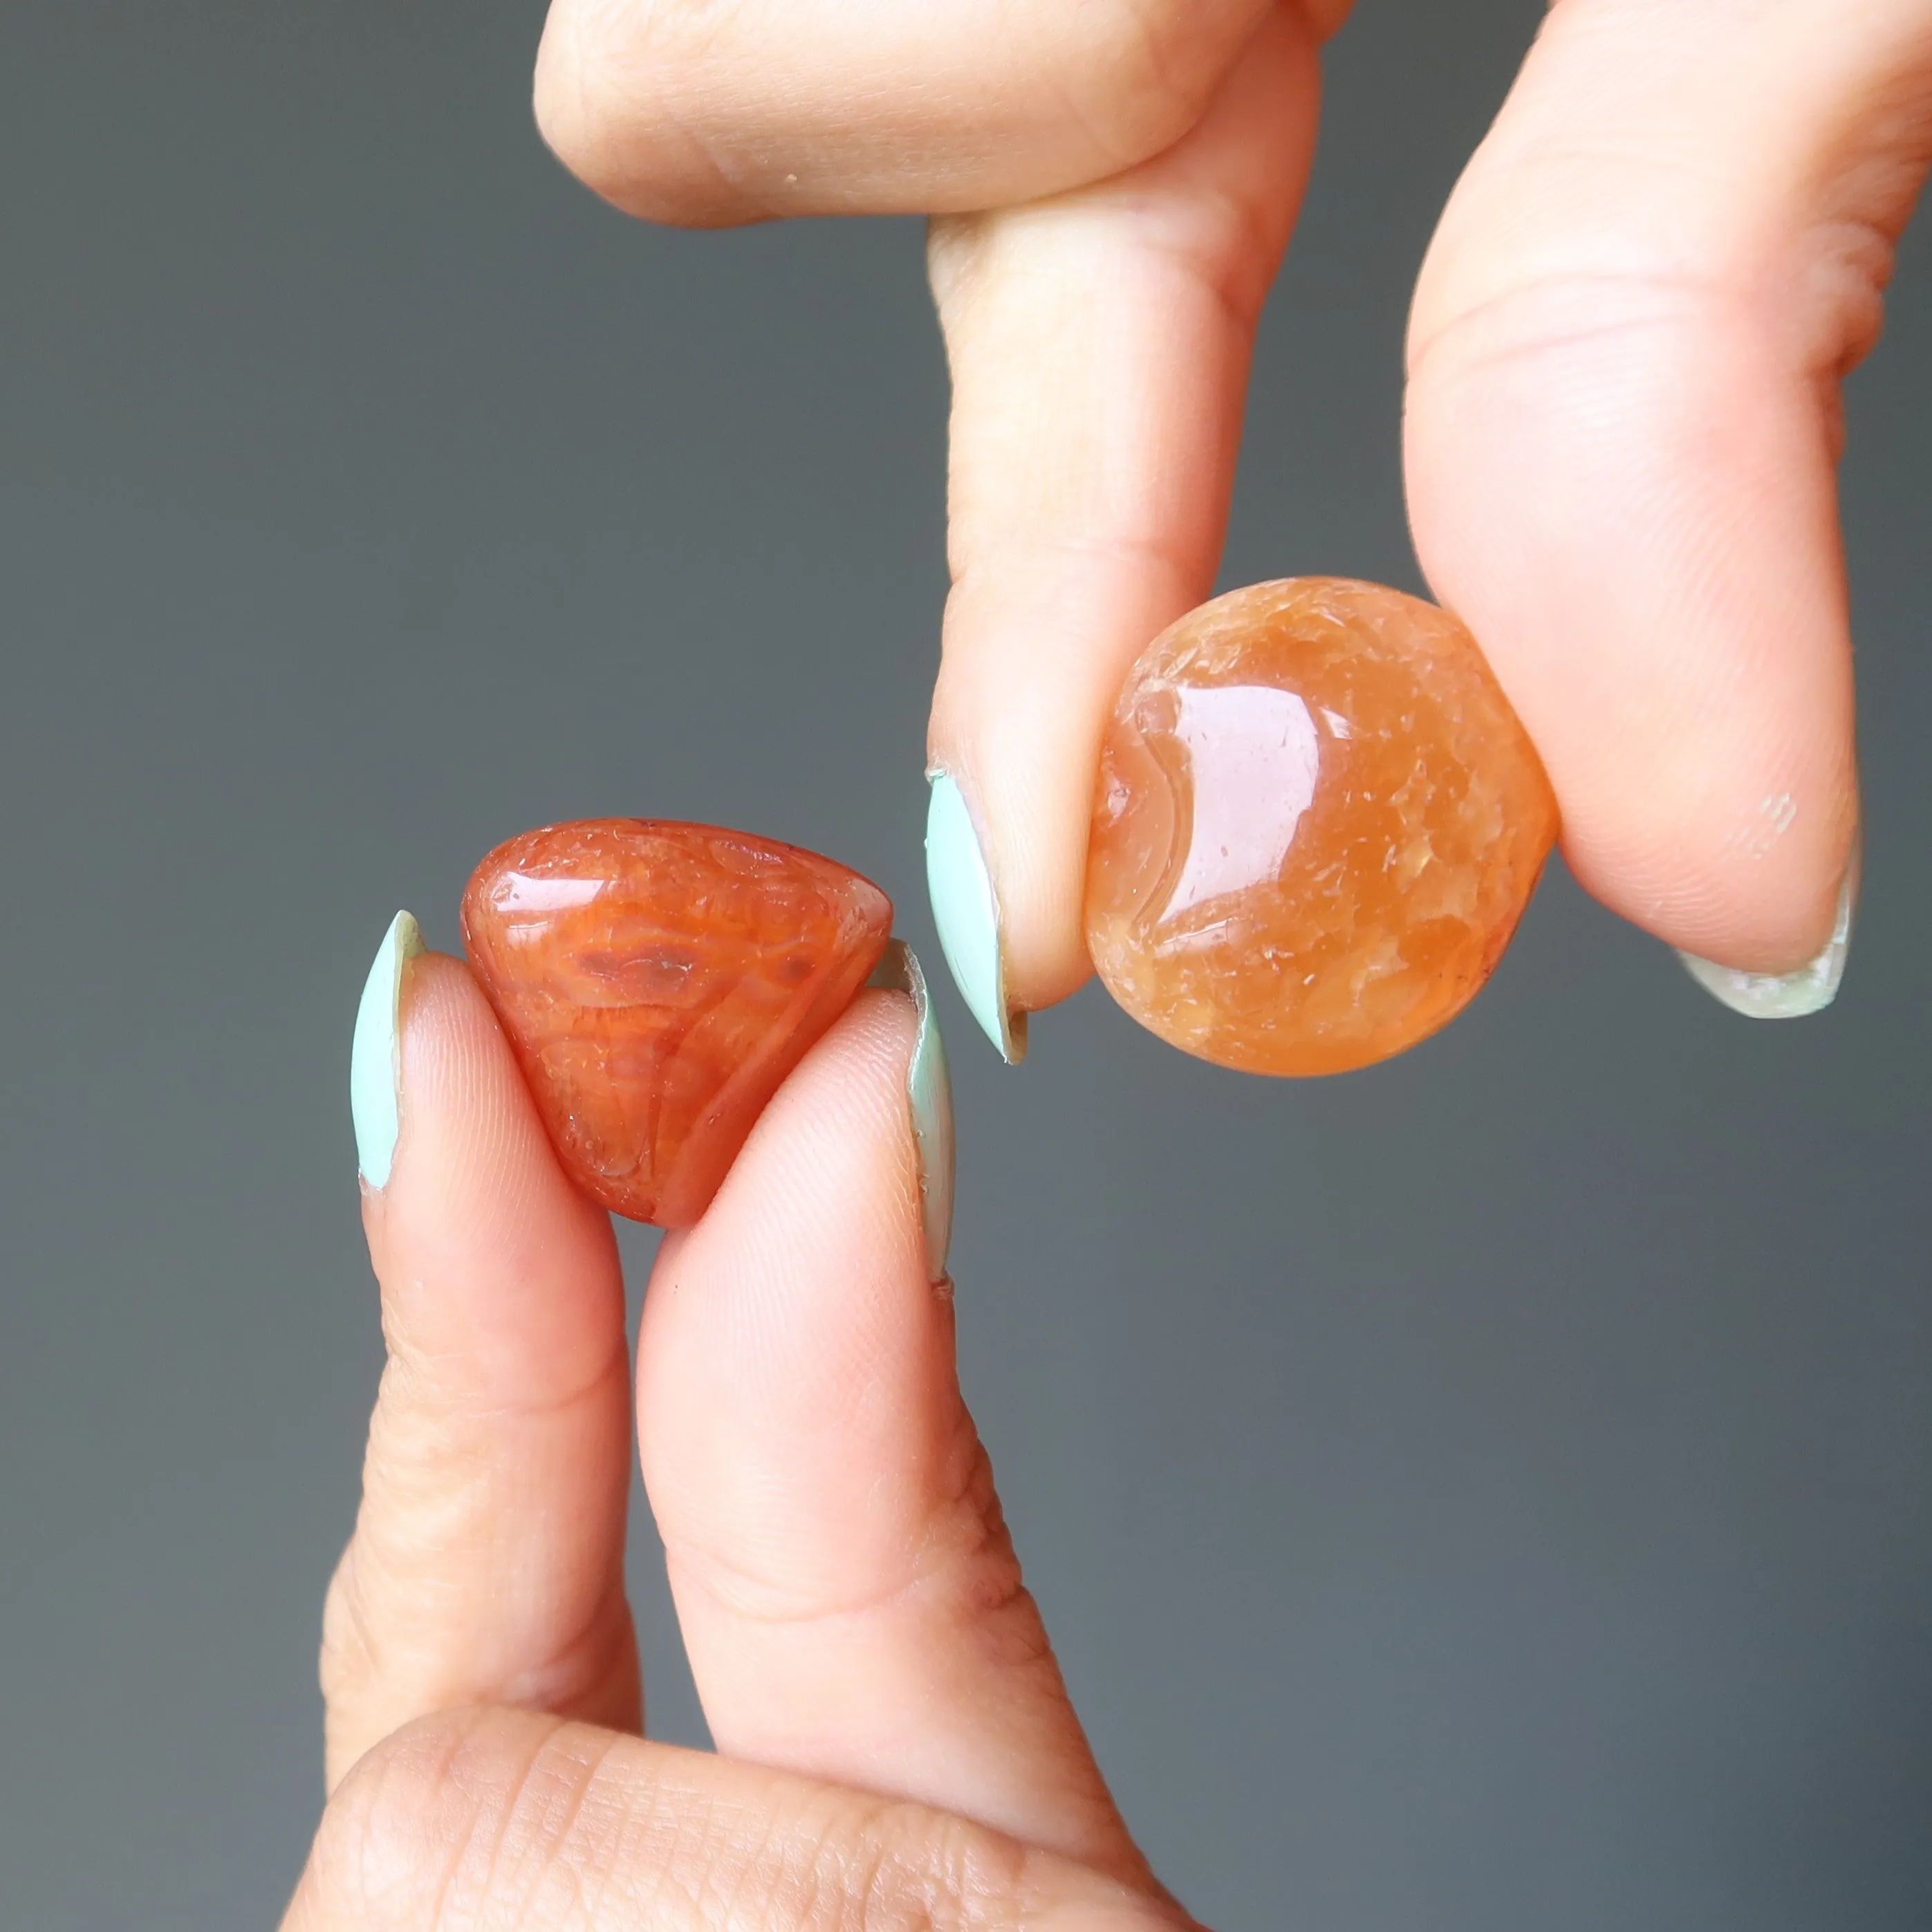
597 95
465 1100
478 1208
831 1167
375 1059
1803 991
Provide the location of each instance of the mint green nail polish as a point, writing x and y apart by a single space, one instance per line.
1786 996
967 912
375 1058
929 1095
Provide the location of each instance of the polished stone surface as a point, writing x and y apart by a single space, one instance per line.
658 981
1317 823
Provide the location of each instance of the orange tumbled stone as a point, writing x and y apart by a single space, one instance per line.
658 981
1317 823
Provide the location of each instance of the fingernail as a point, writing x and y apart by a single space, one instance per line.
929 1095
1786 996
967 914
376 1059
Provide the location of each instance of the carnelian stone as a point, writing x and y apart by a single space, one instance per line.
1317 823
657 982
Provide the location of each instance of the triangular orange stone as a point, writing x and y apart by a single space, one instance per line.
658 981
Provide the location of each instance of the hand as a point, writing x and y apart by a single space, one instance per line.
1623 414
896 1747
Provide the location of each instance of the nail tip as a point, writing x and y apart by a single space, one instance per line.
1005 1029
929 1101
375 1061
1785 996
1766 996
965 910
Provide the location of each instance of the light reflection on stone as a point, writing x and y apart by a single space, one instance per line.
1317 822
657 981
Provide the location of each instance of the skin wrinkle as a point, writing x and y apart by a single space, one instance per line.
584 1667
805 1857
1538 338
435 1380
964 1550
361 1808
605 1883
361 1592
414 1442
1229 248
348 1653
1079 92
492 1824
952 1534
584 1671
1840 267
992 537
1860 155
557 1827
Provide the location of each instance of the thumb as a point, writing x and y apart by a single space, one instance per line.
1623 423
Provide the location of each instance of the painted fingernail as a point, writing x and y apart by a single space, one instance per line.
1786 996
967 913
376 1059
929 1095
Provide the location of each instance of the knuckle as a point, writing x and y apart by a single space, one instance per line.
971 1548
669 110
616 87
941 1877
494 1816
950 1558
1142 72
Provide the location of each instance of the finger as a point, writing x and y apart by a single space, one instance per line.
487 1562
849 1596
1100 345
500 1818
686 112
1623 420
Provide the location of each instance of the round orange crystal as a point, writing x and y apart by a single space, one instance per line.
657 982
1317 823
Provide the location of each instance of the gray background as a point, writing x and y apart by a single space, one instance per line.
1486 1492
